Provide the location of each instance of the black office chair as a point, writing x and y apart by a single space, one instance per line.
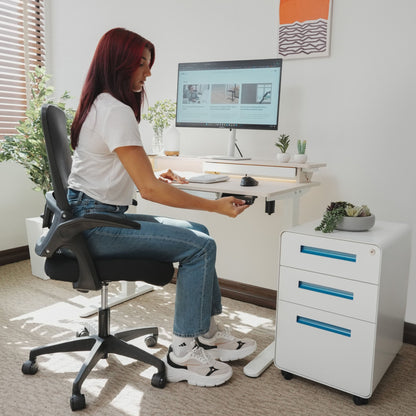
85 272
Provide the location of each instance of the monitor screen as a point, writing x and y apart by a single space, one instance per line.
229 94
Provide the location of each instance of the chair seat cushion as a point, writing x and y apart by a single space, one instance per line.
64 268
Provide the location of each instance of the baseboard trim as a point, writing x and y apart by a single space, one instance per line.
14 254
409 335
248 293
245 293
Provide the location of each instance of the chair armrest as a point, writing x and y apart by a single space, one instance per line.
66 232
63 233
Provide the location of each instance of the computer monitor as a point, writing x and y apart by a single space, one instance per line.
229 94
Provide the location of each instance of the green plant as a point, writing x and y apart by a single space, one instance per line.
28 146
283 142
336 210
160 115
301 147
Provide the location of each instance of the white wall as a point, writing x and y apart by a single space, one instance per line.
354 107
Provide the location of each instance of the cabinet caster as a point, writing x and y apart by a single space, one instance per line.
159 380
359 401
29 367
77 402
286 375
151 340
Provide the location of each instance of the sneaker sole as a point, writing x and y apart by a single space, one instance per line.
231 355
174 375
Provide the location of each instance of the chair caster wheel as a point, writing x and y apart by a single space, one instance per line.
287 375
359 401
29 367
150 340
83 333
159 380
77 402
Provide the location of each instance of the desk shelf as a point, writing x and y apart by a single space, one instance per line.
292 172
296 172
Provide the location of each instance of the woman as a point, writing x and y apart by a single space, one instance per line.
109 162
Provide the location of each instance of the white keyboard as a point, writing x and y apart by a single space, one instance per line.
208 178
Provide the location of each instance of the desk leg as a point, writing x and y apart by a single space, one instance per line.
259 364
129 290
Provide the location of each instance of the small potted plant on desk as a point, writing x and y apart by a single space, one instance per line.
300 156
283 144
345 216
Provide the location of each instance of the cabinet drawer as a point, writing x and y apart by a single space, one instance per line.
357 261
324 347
329 293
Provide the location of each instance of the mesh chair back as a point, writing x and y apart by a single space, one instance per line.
59 153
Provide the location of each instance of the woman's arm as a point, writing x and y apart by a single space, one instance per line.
138 165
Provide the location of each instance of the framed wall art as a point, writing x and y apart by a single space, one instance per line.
304 28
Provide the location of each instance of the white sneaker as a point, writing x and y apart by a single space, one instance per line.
226 347
197 368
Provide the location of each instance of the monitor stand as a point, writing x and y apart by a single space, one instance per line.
232 145
218 157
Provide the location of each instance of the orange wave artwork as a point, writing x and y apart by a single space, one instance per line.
304 28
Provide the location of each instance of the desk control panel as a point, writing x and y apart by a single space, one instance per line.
248 198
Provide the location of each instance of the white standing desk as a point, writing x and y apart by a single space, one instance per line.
271 190
277 181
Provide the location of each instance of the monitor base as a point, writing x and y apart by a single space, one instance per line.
215 157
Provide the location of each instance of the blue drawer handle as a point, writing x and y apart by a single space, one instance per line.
339 255
326 290
322 325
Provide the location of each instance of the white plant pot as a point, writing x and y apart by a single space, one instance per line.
34 231
283 157
300 158
356 223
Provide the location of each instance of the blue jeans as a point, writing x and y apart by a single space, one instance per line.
198 295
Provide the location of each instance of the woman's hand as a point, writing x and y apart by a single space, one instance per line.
170 176
230 206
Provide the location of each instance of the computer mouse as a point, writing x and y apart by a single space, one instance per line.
248 181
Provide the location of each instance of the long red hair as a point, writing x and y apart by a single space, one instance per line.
117 56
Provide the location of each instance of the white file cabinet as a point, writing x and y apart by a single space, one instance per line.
341 304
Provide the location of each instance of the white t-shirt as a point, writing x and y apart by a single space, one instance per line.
96 168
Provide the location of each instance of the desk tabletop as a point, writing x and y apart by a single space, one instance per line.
267 188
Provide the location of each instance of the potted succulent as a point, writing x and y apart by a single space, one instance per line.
160 116
27 148
345 216
283 144
300 156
